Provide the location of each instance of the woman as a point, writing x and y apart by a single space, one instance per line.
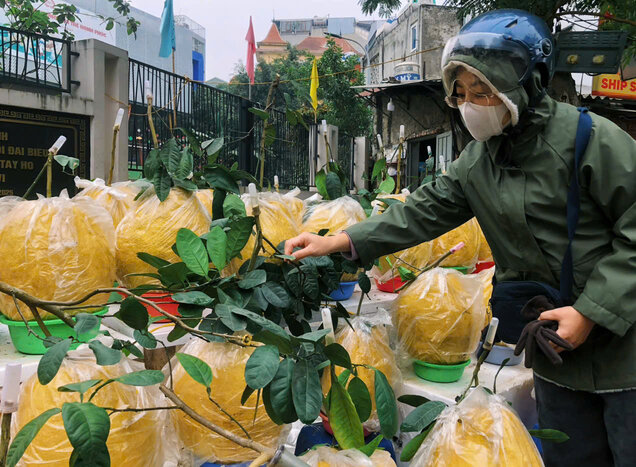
514 178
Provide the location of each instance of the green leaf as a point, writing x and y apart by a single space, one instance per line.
154 261
133 313
218 177
385 405
51 361
238 235
412 446
281 397
333 186
66 161
228 318
80 387
142 378
177 333
193 141
343 418
247 392
174 274
170 155
378 168
270 135
406 275
321 183
548 434
145 339
217 246
387 186
87 427
267 337
344 377
162 182
291 117
85 323
233 206
261 367
370 448
413 400
311 286
338 355
212 147
361 398
185 184
185 166
196 368
364 282
314 336
275 294
422 416
193 298
264 323
306 391
253 279
27 434
192 251
104 355
259 113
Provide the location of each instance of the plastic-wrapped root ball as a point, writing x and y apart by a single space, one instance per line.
117 199
325 456
484 249
334 215
467 256
368 343
136 439
482 430
295 205
56 249
414 259
439 316
206 197
152 228
228 367
486 281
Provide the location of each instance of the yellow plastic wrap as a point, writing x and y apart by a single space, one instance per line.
439 316
334 215
467 256
228 367
152 228
414 259
117 199
399 196
368 343
296 205
484 249
206 197
483 431
324 456
56 249
485 277
136 439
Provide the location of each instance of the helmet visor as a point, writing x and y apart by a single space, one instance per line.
492 51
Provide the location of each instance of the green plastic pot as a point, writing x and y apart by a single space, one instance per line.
31 345
439 373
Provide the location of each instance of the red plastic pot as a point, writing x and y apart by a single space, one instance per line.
327 426
390 286
483 266
164 301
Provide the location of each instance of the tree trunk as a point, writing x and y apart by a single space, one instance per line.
563 89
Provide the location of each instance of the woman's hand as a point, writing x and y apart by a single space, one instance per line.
315 245
573 326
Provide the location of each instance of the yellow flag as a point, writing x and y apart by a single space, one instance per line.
313 91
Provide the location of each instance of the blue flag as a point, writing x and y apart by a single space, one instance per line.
168 42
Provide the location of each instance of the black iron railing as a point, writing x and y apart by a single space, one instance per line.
212 113
35 60
346 156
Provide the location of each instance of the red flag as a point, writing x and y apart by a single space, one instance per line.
251 50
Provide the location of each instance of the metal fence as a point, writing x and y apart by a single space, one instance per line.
346 157
212 113
35 60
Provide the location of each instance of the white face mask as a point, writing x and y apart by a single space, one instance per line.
483 121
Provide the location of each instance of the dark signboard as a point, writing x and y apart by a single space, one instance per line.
25 137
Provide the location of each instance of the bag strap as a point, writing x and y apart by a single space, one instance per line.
583 132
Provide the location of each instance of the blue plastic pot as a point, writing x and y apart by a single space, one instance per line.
344 292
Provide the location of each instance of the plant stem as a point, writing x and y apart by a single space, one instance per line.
229 415
49 174
38 319
266 125
112 156
258 244
246 443
37 179
360 303
5 438
399 164
151 124
113 410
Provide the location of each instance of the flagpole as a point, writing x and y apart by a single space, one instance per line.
249 91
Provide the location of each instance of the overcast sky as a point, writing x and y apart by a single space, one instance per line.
226 23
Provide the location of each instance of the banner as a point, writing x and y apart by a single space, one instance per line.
613 86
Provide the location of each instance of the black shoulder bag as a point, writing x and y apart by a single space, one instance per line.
510 297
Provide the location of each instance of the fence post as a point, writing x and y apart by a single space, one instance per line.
246 145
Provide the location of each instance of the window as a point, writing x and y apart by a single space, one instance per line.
414 37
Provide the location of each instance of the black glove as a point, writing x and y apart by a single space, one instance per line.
535 306
540 333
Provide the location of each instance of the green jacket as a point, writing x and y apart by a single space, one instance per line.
522 210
